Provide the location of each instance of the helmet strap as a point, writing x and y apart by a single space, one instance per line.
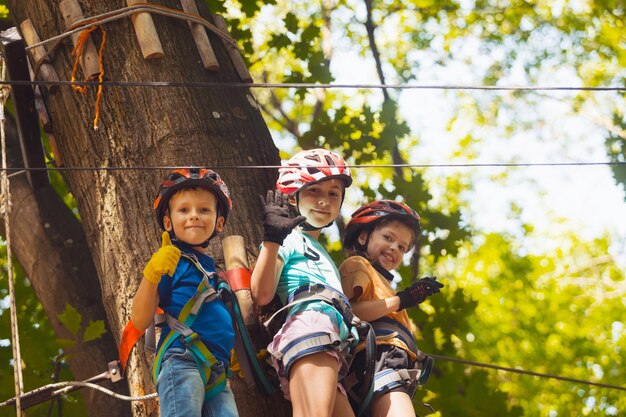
382 271
177 242
203 245
308 228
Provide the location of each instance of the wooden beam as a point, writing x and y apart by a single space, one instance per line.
25 111
235 257
233 51
72 13
46 70
46 124
200 37
146 34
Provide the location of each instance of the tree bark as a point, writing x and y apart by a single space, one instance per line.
49 242
147 127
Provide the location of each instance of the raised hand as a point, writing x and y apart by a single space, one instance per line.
163 261
276 221
418 292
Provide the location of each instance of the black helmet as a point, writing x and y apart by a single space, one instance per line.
189 178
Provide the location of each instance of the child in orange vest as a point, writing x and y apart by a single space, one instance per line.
379 234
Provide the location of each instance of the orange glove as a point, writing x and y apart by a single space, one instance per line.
163 261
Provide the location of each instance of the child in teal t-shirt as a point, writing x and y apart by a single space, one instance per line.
307 350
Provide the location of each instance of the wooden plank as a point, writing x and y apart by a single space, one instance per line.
46 71
233 51
46 124
146 33
44 118
25 111
200 37
72 13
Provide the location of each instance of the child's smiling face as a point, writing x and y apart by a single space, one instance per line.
320 202
193 216
388 243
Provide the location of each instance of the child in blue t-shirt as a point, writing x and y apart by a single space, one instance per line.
191 361
307 351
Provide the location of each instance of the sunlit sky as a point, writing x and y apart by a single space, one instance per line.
584 199
552 199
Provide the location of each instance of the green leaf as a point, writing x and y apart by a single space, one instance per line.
216 6
250 7
310 33
94 330
279 41
318 66
71 319
291 23
66 344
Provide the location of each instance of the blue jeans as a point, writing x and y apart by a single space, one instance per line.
181 391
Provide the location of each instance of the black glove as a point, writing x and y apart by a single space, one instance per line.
418 292
276 222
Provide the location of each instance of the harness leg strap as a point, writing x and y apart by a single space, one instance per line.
305 346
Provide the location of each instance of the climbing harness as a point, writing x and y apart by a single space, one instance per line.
366 393
389 379
317 342
181 327
244 348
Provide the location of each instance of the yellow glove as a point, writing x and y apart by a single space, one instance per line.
163 261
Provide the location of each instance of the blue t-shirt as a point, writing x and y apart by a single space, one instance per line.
213 323
306 262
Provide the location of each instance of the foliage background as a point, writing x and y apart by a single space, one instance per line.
526 286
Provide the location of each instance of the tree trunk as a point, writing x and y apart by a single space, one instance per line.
49 242
148 127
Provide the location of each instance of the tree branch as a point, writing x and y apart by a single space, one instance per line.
49 243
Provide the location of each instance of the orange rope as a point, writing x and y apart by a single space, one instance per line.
77 52
100 78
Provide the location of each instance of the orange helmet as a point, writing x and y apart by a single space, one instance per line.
188 178
311 166
369 215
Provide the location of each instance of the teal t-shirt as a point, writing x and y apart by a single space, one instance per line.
306 262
